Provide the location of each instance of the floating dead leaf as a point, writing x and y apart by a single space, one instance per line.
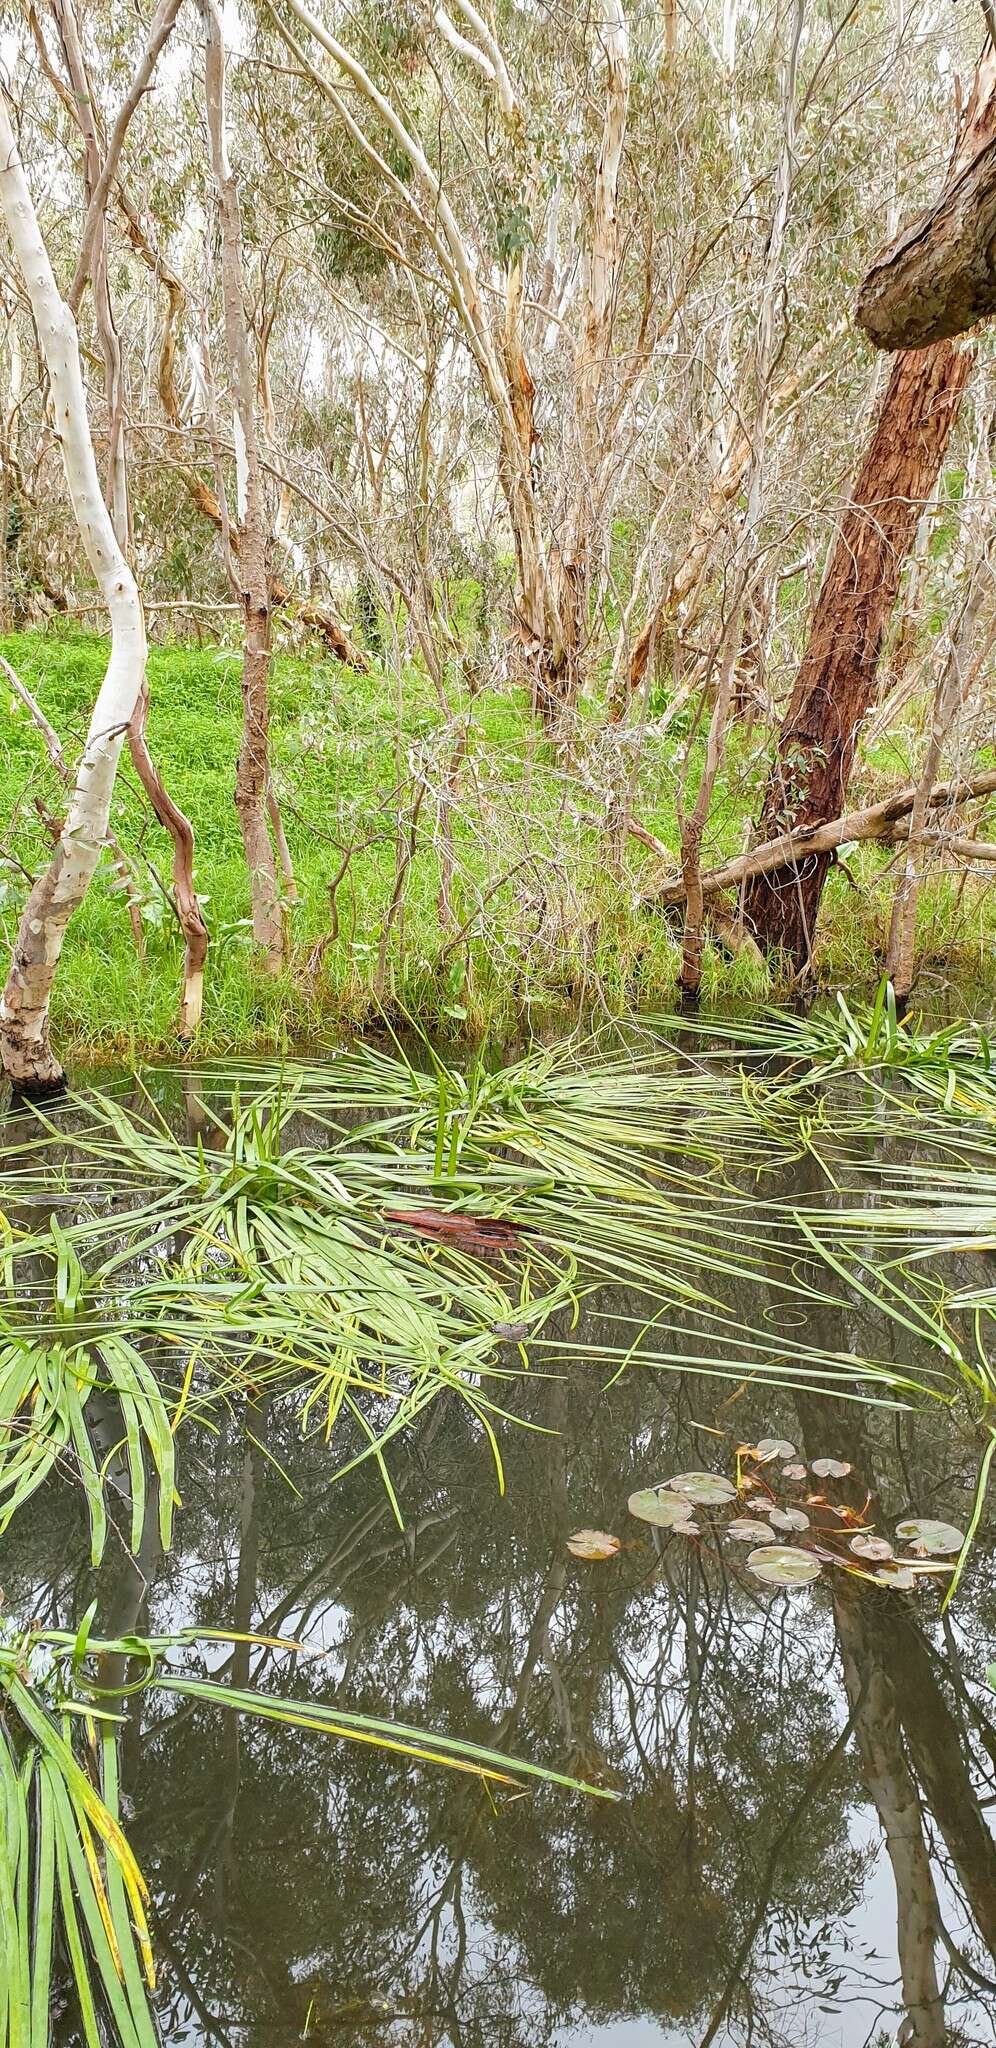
655 1504
783 1565
746 1531
592 1545
938 1539
830 1468
706 1489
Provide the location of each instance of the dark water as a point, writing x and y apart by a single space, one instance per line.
802 1851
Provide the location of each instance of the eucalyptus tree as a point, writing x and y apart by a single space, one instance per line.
25 1046
836 680
498 97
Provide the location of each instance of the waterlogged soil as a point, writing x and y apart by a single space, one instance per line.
801 1848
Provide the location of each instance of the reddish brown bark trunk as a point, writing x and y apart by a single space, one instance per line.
181 831
836 680
938 278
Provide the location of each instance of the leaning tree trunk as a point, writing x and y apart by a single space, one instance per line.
25 1051
836 680
938 278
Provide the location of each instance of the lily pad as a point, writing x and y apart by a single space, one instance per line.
876 1547
773 1447
687 1529
706 1489
899 1576
592 1545
783 1565
746 1531
830 1468
655 1504
789 1518
793 1471
938 1539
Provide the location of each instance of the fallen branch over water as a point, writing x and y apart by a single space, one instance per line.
885 820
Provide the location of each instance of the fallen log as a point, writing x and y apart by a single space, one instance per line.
791 849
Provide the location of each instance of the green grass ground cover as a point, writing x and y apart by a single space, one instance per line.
551 928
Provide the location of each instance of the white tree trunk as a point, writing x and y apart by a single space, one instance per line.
252 781
603 266
25 1051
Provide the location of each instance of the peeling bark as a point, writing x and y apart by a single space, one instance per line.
937 279
54 750
836 680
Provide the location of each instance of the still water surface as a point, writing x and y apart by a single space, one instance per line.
804 1776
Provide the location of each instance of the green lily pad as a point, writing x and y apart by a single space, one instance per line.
898 1576
592 1545
654 1504
783 1565
938 1539
746 1531
876 1547
706 1489
789 1518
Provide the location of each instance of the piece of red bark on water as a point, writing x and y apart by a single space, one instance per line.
478 1233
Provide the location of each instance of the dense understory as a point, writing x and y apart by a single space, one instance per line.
543 922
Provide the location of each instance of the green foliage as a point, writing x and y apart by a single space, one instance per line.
513 234
551 930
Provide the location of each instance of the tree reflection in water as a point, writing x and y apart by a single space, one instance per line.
340 1891
778 1755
